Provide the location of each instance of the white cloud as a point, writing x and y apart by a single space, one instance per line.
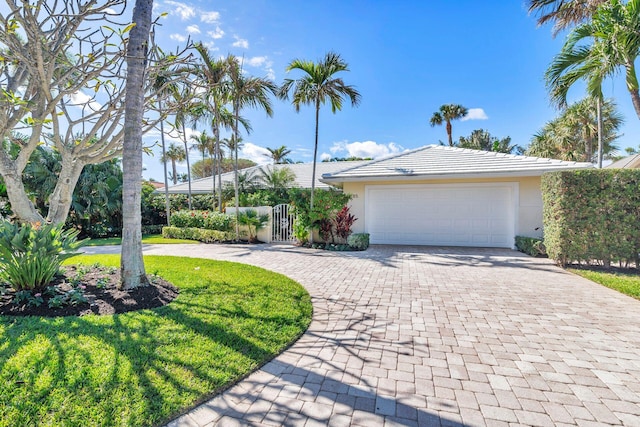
184 11
475 114
217 34
364 149
211 46
81 100
178 37
325 156
256 61
193 29
254 152
262 62
210 17
240 43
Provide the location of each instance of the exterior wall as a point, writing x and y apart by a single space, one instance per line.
529 215
264 234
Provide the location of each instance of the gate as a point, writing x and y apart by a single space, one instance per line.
282 224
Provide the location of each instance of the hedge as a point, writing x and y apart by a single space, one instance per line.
592 216
209 220
199 234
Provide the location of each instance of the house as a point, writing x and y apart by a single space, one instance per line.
438 195
629 162
302 172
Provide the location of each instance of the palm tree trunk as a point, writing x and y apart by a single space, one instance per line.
235 169
635 98
313 173
132 265
186 154
175 171
600 147
216 134
449 132
167 203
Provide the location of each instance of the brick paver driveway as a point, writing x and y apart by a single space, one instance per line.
438 336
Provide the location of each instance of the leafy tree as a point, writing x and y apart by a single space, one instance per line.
203 169
318 85
572 135
446 114
131 263
246 91
481 139
563 13
596 50
279 155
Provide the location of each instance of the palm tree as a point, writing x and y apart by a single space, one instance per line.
481 139
279 155
276 179
246 92
187 109
596 50
174 154
214 76
563 13
447 113
132 269
572 135
317 86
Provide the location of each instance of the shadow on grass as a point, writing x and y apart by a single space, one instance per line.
138 368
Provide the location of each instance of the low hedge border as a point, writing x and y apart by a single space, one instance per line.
199 234
531 246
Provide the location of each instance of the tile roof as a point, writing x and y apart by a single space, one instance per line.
629 162
440 162
301 170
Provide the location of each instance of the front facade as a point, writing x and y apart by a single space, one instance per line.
448 197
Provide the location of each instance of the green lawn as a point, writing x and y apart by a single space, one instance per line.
141 368
628 284
148 239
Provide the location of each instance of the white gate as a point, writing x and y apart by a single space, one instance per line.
282 224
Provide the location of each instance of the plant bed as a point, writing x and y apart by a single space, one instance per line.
83 290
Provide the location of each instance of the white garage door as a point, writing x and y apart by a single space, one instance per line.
480 215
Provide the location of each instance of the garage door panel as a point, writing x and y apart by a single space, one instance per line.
448 214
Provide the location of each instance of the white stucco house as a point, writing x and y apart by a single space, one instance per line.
437 195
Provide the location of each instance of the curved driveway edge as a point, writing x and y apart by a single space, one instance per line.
436 336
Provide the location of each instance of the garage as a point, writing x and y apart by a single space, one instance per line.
481 215
448 196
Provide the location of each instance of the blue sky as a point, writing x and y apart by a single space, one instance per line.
406 58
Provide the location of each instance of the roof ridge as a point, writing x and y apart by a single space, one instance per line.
520 157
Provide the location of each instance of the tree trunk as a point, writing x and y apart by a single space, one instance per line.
167 203
132 263
20 203
313 171
62 196
186 154
235 168
449 132
635 98
219 163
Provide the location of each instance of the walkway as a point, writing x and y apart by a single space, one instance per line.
437 336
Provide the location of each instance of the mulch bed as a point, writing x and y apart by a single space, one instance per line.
99 287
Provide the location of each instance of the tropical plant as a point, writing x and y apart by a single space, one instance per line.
563 13
279 155
253 221
31 255
174 154
573 135
596 50
343 222
132 269
277 179
246 91
481 139
318 85
446 114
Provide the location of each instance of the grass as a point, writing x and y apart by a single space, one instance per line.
148 239
141 368
628 284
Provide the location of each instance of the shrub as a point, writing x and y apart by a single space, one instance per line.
202 219
358 241
344 220
592 216
531 246
199 234
253 221
31 255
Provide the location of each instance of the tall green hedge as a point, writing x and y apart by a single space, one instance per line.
592 216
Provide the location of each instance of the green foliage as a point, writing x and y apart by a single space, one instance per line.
208 220
625 282
481 139
142 368
592 215
253 221
199 234
531 245
326 205
358 241
31 256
